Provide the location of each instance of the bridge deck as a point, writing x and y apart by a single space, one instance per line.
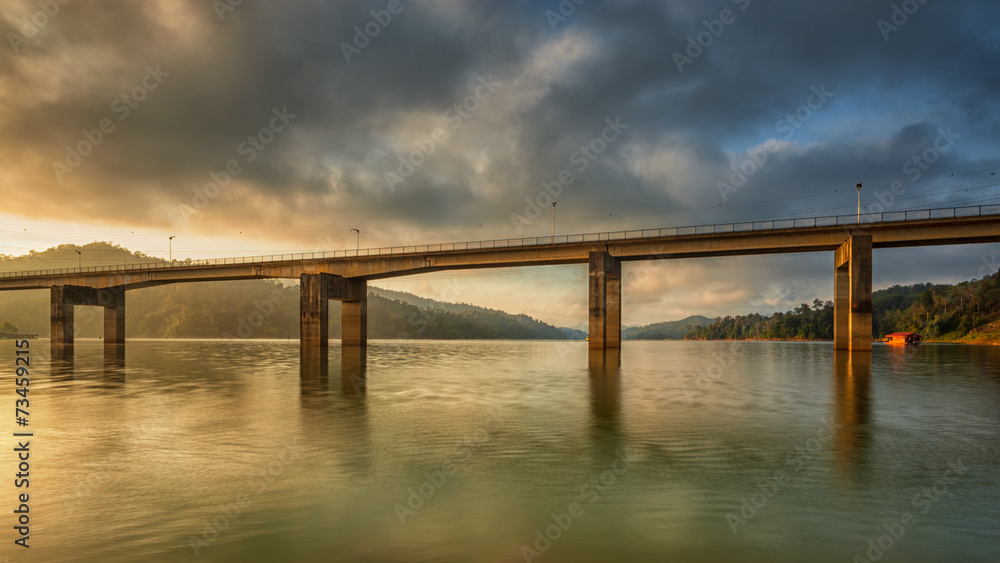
889 230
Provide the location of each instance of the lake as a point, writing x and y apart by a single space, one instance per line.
509 451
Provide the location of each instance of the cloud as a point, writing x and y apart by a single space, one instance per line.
326 172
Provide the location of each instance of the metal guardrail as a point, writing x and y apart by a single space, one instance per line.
835 220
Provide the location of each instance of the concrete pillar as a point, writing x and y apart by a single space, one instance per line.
841 307
605 301
354 315
853 295
61 325
314 310
61 317
65 297
113 301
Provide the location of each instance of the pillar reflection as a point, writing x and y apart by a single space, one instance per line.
352 411
852 410
114 365
61 367
313 375
353 371
605 405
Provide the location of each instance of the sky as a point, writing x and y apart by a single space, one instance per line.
249 128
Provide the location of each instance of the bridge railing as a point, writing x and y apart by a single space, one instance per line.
835 220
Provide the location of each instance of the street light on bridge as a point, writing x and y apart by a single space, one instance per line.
358 246
171 240
859 203
554 221
79 258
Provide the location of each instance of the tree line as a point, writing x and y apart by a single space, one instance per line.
967 311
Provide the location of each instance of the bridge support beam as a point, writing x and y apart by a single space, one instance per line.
315 292
314 310
62 319
605 301
354 319
852 306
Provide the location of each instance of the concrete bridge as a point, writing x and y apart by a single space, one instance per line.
343 275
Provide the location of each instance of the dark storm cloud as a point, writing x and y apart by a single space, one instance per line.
355 120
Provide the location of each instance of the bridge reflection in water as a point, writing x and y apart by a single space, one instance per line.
314 371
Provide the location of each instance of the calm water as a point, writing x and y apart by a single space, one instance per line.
475 451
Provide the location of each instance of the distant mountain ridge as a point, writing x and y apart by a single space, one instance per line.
667 330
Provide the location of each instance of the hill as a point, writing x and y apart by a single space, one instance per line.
251 308
668 330
964 312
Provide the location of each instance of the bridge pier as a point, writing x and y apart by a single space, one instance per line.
315 292
62 320
354 319
852 306
605 301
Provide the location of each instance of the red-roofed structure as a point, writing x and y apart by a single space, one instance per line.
903 338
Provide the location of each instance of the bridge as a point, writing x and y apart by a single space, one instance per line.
343 274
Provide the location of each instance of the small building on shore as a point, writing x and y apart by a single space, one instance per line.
903 338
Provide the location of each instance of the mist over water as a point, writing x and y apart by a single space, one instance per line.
510 450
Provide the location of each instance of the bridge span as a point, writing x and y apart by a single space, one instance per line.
343 275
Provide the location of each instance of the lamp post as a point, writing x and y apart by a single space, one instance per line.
171 240
79 258
554 221
859 203
358 246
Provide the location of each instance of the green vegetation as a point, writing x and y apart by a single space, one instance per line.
669 330
7 328
804 323
965 312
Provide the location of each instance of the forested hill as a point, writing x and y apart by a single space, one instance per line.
668 330
965 312
250 309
